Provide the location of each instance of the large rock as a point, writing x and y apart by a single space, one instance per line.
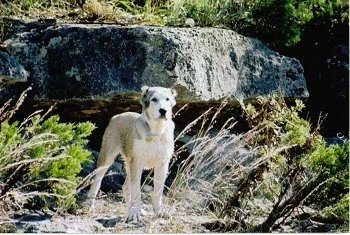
71 61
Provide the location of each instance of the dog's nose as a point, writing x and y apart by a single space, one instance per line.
162 112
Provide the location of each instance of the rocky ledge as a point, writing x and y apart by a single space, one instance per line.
93 71
85 61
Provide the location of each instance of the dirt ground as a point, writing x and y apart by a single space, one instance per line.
108 216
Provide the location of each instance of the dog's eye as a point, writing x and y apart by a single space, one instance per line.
154 99
167 99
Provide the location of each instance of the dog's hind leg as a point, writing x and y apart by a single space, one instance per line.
127 185
109 151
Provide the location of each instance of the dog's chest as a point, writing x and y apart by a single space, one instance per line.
153 150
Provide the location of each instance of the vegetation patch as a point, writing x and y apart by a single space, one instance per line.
257 180
248 182
40 159
277 23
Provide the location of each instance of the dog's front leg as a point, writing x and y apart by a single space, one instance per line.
134 212
160 173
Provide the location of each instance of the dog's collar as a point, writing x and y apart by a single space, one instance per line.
149 135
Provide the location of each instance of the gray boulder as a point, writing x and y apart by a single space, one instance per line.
76 61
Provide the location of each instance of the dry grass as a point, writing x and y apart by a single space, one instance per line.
96 9
221 169
108 217
110 208
216 163
217 159
213 158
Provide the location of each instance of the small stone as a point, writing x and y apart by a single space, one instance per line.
190 22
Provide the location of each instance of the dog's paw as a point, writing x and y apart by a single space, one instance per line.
163 214
89 203
135 213
87 206
160 212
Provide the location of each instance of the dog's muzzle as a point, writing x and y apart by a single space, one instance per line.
162 113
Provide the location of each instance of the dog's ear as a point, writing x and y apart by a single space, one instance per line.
173 92
144 102
144 89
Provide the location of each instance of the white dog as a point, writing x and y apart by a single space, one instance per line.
145 141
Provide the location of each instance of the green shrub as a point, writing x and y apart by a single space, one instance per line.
279 23
282 23
331 164
40 159
306 171
340 212
285 164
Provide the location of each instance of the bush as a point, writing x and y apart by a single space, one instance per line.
277 23
282 23
254 181
331 163
340 210
40 159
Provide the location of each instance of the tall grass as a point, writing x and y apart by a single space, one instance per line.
255 180
252 181
207 12
172 12
218 160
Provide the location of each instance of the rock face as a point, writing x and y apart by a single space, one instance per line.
11 71
72 61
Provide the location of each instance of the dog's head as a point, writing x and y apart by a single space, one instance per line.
158 102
